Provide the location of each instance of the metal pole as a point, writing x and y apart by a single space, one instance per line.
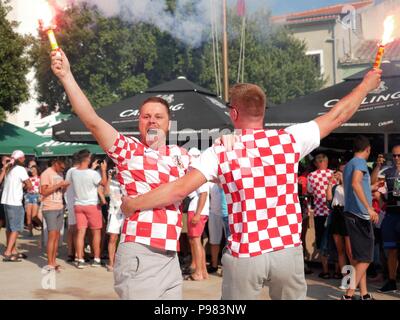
386 143
334 55
225 50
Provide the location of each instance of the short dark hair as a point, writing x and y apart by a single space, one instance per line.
75 158
360 143
321 154
57 159
82 155
157 100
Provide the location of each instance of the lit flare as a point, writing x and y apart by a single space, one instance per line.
389 26
46 25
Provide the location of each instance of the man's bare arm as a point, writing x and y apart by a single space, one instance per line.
46 190
201 203
346 107
164 195
100 192
356 183
28 184
103 171
103 132
2 173
200 206
377 169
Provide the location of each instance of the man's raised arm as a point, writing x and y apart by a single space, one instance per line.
346 107
164 195
103 132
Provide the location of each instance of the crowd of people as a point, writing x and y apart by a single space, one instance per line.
353 207
254 194
86 193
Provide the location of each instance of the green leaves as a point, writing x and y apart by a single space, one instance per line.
14 64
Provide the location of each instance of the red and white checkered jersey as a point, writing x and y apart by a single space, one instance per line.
317 182
259 178
141 169
35 184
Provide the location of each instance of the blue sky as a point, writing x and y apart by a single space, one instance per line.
287 6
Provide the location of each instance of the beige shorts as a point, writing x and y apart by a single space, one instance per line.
282 271
145 273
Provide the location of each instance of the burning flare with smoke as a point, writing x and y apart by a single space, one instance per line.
46 25
389 26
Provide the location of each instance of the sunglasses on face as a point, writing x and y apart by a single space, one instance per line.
396 156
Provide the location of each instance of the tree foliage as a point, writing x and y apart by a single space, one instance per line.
14 64
275 60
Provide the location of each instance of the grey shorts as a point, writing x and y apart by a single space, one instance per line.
14 218
282 271
54 219
145 273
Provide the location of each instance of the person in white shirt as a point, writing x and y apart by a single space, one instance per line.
87 209
197 218
5 164
115 216
69 197
15 181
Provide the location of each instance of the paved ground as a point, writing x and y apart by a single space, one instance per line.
23 280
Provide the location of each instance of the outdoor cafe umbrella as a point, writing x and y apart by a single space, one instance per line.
51 148
379 113
13 137
194 111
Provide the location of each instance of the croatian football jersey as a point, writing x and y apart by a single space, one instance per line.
259 179
317 183
141 169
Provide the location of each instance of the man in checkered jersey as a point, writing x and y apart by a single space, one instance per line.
146 263
317 182
259 178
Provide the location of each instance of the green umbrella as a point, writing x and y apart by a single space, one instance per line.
51 148
15 138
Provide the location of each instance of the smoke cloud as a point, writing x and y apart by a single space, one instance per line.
189 26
